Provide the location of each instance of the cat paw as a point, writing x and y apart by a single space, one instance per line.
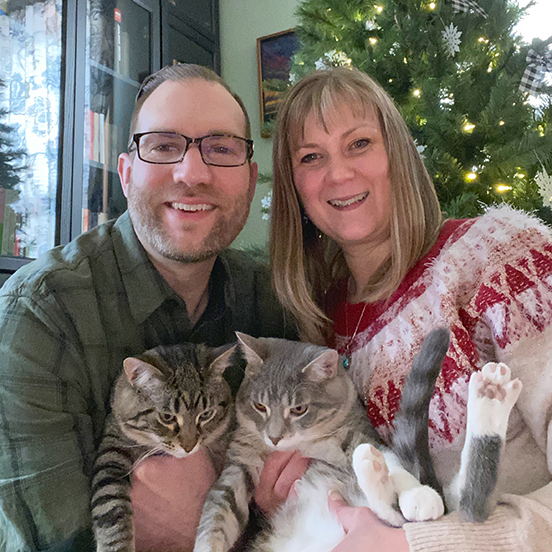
371 470
492 394
373 478
421 504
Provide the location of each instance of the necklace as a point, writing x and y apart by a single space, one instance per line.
348 356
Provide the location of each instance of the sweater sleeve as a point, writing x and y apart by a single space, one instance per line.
511 312
519 523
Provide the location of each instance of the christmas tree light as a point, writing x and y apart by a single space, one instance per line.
455 76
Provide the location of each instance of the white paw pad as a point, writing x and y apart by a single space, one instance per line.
421 504
373 478
492 394
370 468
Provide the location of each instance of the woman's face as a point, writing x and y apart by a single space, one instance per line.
342 177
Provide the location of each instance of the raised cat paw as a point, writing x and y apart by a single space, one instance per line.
492 394
373 478
421 504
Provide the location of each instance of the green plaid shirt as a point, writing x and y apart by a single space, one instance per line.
67 321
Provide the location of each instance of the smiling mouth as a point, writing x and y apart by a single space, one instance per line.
192 208
347 202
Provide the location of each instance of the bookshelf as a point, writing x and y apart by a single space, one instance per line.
106 48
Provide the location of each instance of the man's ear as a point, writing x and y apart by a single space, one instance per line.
253 175
124 168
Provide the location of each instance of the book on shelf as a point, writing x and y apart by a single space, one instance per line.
121 42
103 140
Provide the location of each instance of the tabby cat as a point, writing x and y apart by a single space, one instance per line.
297 396
169 400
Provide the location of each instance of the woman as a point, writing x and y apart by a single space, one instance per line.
363 260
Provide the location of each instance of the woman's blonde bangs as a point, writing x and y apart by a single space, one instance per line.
321 98
306 264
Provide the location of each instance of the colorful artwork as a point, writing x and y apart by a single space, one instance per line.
274 54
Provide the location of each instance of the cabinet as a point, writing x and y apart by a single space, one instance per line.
92 56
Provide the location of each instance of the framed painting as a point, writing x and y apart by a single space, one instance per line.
274 53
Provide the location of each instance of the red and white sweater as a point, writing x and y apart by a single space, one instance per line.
490 281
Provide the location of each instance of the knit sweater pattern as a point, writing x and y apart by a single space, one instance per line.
489 280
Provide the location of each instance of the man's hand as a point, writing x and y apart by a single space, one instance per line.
365 532
280 472
167 499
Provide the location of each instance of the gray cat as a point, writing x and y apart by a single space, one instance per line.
296 396
169 400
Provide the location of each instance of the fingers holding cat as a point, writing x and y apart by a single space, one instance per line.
281 470
365 532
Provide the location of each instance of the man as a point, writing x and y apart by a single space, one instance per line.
159 274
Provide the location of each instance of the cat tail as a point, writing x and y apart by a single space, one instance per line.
411 440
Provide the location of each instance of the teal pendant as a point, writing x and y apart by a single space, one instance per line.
346 362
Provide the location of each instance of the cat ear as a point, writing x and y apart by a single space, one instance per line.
222 361
322 367
140 373
252 350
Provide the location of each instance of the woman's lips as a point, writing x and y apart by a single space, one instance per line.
349 201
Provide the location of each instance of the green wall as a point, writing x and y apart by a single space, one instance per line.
241 23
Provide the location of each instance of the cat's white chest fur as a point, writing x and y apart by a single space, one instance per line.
306 523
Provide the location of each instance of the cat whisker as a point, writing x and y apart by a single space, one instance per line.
149 453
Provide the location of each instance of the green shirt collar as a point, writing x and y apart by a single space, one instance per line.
146 289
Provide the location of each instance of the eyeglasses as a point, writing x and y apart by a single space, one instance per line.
164 148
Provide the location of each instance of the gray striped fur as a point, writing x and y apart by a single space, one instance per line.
169 400
411 424
281 374
481 477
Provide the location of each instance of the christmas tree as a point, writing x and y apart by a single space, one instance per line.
10 156
454 69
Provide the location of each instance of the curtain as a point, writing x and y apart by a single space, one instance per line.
30 66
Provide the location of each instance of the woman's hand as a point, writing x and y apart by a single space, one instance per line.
365 532
281 470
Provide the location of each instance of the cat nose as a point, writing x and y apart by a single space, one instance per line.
188 442
275 440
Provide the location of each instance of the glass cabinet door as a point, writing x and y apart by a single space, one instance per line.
118 58
30 98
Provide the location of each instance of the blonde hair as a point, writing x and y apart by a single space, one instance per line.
306 263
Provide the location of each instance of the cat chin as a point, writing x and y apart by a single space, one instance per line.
181 453
285 445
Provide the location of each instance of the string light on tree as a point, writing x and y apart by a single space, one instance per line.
431 56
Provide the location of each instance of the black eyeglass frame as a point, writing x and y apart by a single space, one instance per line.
136 140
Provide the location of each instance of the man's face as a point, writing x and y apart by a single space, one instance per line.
188 211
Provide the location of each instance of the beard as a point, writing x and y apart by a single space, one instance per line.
150 229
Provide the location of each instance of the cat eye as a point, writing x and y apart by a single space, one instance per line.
206 416
167 417
299 410
259 407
